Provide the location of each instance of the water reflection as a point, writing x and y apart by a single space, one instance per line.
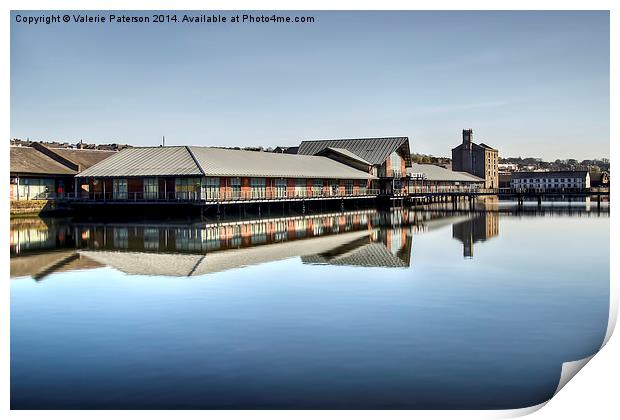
357 310
476 229
366 238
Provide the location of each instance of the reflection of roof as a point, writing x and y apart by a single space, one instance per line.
28 160
370 255
437 173
211 161
153 264
373 150
40 265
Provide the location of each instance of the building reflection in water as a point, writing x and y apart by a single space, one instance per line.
366 238
477 229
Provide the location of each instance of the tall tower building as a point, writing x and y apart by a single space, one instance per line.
480 160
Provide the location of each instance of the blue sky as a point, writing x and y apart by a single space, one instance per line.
528 83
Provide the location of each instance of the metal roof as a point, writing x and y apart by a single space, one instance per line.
28 160
374 150
228 162
437 173
550 174
213 161
345 152
145 161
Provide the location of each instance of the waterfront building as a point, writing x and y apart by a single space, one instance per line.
552 181
599 179
387 158
433 178
209 174
480 160
40 173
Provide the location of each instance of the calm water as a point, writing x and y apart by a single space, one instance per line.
405 309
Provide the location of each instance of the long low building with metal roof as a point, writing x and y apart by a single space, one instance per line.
203 174
433 178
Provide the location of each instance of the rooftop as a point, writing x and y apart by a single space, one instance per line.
41 160
437 173
212 161
374 150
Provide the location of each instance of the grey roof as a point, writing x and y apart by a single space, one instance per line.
486 146
145 161
345 152
374 150
28 160
550 174
212 161
227 162
437 173
368 255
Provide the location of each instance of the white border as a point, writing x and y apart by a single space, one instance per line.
593 394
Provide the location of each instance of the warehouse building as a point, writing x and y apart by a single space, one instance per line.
40 173
209 174
425 178
552 181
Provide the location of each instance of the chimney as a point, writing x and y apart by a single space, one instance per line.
468 137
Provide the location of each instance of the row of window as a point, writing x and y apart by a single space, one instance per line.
209 188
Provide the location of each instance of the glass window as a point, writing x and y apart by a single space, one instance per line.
212 188
257 187
300 187
151 188
119 189
348 186
280 187
187 188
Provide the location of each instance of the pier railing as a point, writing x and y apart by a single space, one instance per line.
225 194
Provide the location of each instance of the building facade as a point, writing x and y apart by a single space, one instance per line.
480 160
553 181
41 173
209 174
387 158
427 178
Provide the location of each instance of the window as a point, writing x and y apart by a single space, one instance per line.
317 187
257 187
300 187
395 165
35 189
151 187
280 187
187 188
348 186
335 187
235 187
119 189
212 188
